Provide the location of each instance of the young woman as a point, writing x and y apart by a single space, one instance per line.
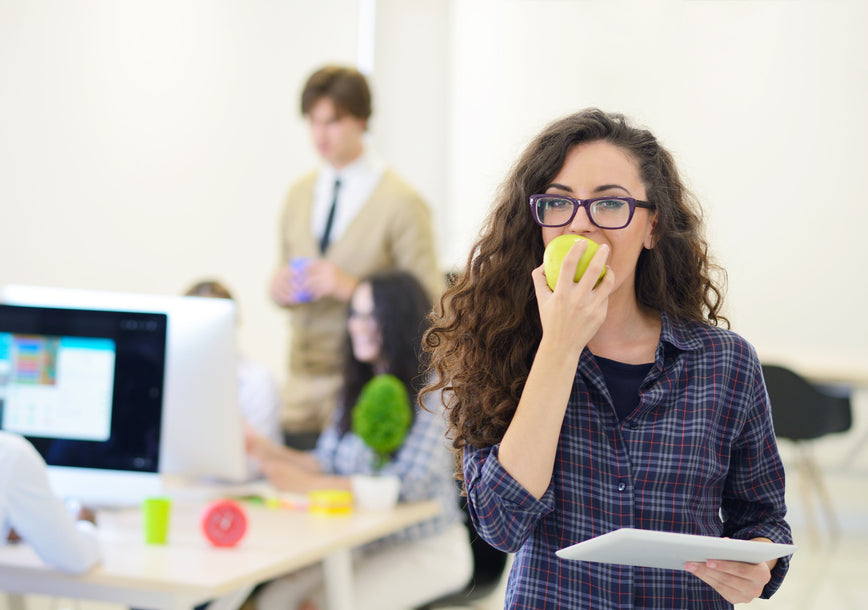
386 320
604 405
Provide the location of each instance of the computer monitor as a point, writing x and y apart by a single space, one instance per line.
202 433
86 388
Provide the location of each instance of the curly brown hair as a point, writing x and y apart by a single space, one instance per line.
486 329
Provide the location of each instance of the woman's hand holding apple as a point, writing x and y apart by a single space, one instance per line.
572 314
557 249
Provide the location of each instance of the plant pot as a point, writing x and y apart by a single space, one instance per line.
375 492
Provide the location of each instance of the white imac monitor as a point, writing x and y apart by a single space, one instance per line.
202 433
86 388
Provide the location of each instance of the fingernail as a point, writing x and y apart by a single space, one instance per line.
690 567
711 564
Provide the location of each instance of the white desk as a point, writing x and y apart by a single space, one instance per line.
188 571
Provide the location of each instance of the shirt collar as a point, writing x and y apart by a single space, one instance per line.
364 164
684 336
681 336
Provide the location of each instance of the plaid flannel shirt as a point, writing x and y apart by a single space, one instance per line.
697 456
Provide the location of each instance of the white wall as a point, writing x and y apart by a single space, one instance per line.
146 144
411 80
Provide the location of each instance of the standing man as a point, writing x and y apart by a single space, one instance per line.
349 218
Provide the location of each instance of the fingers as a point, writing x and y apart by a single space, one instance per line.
252 441
86 514
737 582
283 475
589 279
281 286
596 266
272 470
570 262
319 278
541 288
572 314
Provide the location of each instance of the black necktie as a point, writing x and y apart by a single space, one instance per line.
324 242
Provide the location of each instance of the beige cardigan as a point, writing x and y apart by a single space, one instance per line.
392 230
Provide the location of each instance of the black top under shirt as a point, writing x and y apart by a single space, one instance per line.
623 381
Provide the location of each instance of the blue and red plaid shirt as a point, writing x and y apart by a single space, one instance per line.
697 456
424 463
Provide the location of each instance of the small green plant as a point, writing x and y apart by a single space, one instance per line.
382 416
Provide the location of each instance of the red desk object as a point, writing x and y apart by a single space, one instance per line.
224 523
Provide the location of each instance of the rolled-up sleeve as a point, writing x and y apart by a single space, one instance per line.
503 511
753 501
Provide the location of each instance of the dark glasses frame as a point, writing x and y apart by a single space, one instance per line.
587 203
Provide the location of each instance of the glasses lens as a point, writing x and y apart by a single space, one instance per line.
610 213
553 211
361 316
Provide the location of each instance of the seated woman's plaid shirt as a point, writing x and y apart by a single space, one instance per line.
424 463
697 456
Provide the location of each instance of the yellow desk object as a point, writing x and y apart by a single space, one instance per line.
330 502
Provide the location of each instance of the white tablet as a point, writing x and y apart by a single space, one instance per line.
653 549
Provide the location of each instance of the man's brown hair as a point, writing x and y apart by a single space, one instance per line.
347 88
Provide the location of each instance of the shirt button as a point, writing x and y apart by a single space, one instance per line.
632 425
622 486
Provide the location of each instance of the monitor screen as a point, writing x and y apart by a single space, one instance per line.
86 388
202 431
57 386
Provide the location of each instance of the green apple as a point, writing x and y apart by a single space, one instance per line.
554 254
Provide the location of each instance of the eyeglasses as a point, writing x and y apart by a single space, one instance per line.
362 316
604 212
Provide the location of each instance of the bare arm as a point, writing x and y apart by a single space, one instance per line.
290 476
263 450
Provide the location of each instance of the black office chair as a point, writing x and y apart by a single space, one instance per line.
488 567
803 412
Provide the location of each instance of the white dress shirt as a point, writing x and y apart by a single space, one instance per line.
40 518
358 181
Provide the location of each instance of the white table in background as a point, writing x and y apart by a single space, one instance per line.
189 571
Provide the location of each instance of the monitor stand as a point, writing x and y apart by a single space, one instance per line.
100 488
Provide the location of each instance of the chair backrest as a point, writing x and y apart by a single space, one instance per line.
801 410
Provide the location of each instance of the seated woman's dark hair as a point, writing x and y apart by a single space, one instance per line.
401 308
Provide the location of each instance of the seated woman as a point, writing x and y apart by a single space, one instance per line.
386 320
29 510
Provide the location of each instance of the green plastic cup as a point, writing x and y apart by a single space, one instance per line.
155 518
